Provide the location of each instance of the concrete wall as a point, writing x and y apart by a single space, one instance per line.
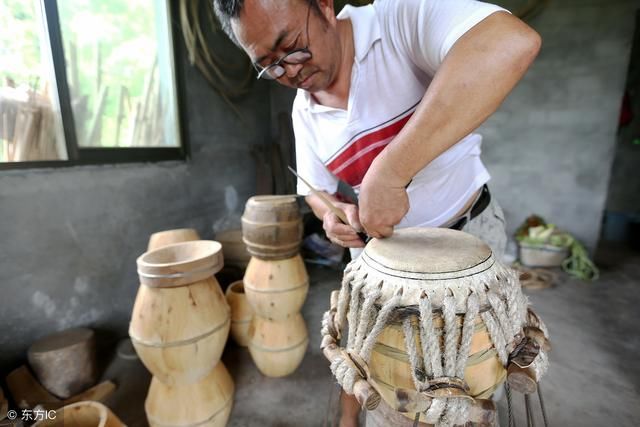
71 236
550 146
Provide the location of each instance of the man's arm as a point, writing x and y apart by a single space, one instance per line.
475 77
339 233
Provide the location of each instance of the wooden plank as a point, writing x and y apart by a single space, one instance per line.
4 405
26 391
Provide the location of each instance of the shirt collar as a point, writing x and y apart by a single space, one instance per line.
366 28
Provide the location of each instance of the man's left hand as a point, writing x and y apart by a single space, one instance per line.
383 201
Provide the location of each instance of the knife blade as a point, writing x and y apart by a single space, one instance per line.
333 208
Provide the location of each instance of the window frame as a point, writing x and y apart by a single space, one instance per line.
77 155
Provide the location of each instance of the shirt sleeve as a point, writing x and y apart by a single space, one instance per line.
427 29
308 164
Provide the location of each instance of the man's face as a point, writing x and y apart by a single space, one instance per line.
270 29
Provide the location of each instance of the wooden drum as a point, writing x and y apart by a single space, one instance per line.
276 289
272 226
82 414
180 319
432 321
168 237
278 346
241 313
206 403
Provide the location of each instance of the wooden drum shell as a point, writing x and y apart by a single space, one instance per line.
82 414
179 331
207 403
168 237
276 289
278 347
241 313
390 367
272 227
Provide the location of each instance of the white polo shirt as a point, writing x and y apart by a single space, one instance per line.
399 46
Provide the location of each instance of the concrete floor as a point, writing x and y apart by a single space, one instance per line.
594 378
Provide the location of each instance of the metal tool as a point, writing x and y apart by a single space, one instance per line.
333 208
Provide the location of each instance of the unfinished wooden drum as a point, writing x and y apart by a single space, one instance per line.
241 313
180 319
234 249
168 237
272 226
432 320
276 289
278 347
82 414
206 403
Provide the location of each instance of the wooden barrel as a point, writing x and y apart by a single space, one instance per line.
241 313
278 347
206 403
82 414
65 362
180 319
168 237
234 249
276 289
272 226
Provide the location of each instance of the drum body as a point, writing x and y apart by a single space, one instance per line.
180 320
168 237
82 414
241 313
432 318
234 249
278 346
272 227
276 289
206 403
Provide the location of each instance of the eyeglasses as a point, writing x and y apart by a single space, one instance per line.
276 70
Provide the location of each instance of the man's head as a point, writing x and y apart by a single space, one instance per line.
295 40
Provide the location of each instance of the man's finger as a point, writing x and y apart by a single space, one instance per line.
379 231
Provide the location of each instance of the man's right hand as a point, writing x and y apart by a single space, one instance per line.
343 234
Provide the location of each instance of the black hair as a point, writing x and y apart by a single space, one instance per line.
226 10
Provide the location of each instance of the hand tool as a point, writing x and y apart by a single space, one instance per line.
336 211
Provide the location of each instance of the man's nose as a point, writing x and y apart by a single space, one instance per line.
292 70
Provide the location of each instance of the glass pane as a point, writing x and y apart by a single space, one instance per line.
30 121
120 72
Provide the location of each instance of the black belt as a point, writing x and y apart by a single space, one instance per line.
478 207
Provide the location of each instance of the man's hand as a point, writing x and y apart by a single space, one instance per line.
343 234
383 200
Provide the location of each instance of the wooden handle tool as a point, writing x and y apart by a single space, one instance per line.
333 208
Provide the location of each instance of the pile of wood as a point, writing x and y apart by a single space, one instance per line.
27 127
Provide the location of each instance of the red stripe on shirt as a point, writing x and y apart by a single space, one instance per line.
352 164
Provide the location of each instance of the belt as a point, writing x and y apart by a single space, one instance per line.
478 207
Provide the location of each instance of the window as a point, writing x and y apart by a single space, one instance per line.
86 81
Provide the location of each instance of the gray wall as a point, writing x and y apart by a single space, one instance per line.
71 236
550 146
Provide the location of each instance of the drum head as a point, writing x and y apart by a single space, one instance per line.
427 250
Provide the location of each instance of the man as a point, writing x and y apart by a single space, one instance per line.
388 97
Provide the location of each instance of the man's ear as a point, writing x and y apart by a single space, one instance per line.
327 10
